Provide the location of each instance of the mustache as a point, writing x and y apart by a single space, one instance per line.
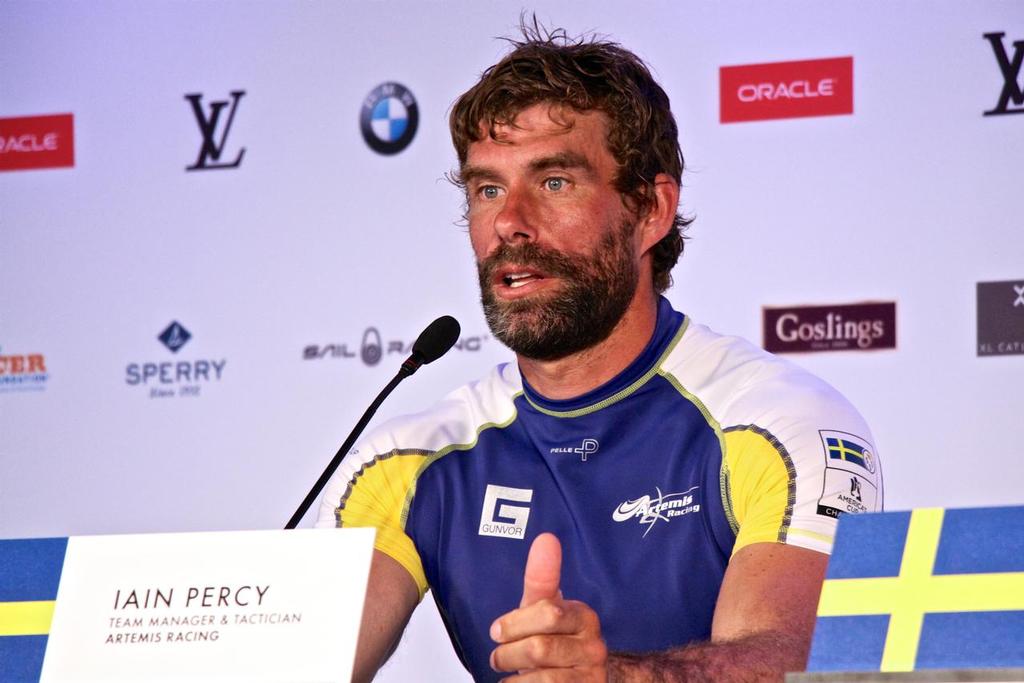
531 255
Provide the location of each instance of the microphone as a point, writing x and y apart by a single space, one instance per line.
432 343
435 341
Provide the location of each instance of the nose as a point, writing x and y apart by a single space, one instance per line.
514 221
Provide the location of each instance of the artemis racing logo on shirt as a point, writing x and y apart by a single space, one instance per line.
505 520
650 509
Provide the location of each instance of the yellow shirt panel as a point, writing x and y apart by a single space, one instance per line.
761 486
376 498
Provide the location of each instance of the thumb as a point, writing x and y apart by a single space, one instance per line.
543 572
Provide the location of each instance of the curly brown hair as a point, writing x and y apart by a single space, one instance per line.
586 74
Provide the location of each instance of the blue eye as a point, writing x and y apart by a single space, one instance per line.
554 184
489 192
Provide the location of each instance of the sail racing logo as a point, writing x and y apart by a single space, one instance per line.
649 510
373 347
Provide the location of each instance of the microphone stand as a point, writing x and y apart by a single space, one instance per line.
411 364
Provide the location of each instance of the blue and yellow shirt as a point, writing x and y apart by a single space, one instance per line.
703 445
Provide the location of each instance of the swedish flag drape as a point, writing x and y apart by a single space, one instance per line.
926 589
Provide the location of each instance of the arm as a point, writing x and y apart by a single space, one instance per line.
391 597
762 627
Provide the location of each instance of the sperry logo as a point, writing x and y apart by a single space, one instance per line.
588 447
505 520
212 148
1010 68
651 509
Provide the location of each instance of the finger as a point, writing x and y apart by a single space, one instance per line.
546 651
546 617
543 570
555 675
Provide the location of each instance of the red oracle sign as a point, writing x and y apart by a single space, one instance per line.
786 90
37 142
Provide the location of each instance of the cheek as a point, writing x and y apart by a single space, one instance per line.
479 240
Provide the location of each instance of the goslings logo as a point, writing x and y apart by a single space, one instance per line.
388 118
850 472
587 447
1001 318
786 90
505 520
28 142
372 349
212 146
166 379
23 372
842 327
661 507
1010 68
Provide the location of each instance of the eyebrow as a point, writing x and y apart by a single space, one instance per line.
567 160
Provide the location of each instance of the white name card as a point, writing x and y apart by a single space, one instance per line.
232 606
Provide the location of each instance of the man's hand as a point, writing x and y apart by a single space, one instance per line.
548 638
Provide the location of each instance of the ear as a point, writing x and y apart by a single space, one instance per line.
661 214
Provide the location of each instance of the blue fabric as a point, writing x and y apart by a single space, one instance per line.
971 640
981 540
848 643
21 658
869 546
30 568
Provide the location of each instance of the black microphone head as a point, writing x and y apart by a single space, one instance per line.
437 339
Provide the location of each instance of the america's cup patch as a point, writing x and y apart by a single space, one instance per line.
851 475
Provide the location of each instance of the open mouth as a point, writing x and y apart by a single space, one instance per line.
520 279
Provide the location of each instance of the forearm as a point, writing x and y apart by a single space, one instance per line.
751 659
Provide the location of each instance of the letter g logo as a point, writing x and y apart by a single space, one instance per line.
504 520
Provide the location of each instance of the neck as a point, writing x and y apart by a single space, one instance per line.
590 368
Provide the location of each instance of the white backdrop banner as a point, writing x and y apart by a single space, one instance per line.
222 225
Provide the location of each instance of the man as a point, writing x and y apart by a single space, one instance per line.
637 498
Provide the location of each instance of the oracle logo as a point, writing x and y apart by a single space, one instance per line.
783 90
841 327
28 142
794 90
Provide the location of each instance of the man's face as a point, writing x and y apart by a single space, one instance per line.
556 249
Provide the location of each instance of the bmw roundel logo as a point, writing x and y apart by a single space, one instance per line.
388 118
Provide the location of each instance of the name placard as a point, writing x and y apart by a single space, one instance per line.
222 606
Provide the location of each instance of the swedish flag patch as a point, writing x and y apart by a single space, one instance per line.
928 589
848 448
30 572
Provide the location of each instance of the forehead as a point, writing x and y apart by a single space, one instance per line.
543 128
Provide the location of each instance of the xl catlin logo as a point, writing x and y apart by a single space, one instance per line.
214 128
1001 318
839 327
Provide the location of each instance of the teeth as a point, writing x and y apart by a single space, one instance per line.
517 279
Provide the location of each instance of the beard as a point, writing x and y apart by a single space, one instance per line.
594 294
